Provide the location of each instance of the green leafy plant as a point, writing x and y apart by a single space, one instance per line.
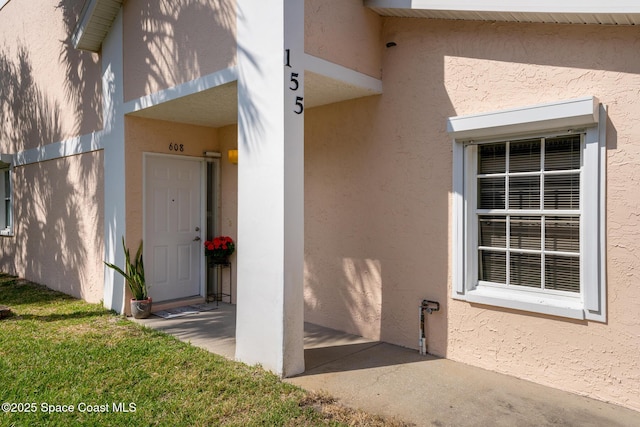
133 272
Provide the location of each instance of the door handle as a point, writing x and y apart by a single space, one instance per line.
197 239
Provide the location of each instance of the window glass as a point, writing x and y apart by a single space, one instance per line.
524 192
493 266
526 232
524 156
492 158
562 191
493 231
491 193
562 153
511 250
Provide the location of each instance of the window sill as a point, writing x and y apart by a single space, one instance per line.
525 301
6 233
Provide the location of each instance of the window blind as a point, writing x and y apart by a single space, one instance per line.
528 210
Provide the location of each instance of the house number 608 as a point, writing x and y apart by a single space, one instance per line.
295 83
176 147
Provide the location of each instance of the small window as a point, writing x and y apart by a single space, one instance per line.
522 212
6 211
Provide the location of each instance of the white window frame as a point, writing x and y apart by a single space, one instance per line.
582 115
6 165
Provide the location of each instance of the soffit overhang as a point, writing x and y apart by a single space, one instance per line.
213 100
95 21
612 12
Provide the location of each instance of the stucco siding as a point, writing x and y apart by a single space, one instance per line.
58 222
49 90
173 42
378 198
504 66
344 32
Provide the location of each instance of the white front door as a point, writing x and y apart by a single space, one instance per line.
173 223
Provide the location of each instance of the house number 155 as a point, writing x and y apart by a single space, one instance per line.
294 83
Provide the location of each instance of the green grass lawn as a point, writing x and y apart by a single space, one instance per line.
56 350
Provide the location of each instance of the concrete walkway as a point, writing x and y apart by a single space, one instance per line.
393 381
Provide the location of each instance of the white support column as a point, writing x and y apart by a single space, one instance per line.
114 164
270 315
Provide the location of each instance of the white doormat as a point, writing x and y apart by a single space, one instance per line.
183 311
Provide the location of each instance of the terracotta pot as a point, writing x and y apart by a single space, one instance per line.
141 309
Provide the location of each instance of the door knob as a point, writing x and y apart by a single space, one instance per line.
197 239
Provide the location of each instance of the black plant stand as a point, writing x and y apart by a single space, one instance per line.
218 293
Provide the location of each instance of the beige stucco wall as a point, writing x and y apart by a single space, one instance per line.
171 42
344 32
49 90
378 198
59 217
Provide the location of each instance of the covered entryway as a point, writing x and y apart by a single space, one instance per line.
173 226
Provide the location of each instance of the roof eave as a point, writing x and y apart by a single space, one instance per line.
613 12
94 24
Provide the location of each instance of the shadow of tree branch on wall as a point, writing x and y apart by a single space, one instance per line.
162 51
28 118
83 84
83 88
53 201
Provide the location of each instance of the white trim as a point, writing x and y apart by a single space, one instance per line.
68 147
210 81
590 217
94 23
203 227
538 6
458 214
83 22
522 301
555 115
338 72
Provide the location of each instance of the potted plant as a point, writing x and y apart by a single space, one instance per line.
219 249
134 276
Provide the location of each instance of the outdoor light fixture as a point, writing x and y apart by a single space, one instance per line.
233 156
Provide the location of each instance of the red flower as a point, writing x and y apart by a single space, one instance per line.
219 246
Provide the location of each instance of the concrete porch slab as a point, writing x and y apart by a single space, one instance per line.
389 380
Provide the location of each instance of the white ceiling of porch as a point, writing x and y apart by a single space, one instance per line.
218 106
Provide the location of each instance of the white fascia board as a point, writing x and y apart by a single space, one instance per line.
569 114
68 147
83 23
341 73
200 84
539 6
94 23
